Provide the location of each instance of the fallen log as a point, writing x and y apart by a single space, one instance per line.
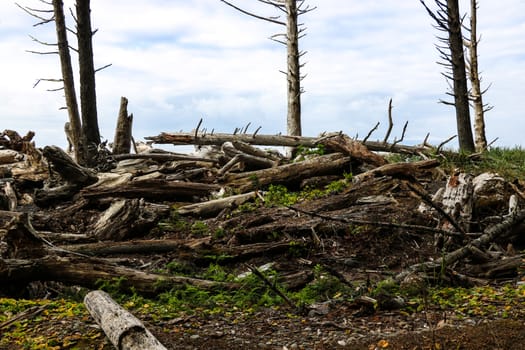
183 138
73 175
398 170
124 330
212 207
156 189
89 272
127 218
8 156
357 150
335 163
139 246
163 157
253 161
200 248
67 168
220 138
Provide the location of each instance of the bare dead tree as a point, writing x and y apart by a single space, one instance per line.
82 129
476 94
449 21
57 15
294 31
88 96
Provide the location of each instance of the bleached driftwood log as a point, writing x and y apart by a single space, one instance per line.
398 170
74 177
88 272
289 173
183 138
124 330
126 218
214 206
357 150
8 156
155 189
69 170
254 161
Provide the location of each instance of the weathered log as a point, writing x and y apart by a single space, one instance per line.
68 169
200 248
124 330
122 140
210 208
255 151
219 138
88 272
398 170
164 157
155 246
254 161
289 173
74 176
355 149
46 197
157 189
270 140
8 156
127 218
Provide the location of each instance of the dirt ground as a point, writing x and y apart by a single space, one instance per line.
277 329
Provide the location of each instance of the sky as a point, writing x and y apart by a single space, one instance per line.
178 61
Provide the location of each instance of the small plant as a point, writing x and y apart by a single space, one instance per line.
279 195
177 268
217 273
296 249
323 287
113 286
355 230
336 186
173 223
247 207
219 233
199 228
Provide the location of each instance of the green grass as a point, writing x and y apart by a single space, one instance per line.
508 162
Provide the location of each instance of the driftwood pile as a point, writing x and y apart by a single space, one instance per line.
61 222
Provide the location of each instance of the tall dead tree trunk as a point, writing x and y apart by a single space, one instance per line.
67 77
461 100
294 70
291 39
88 97
448 20
476 95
